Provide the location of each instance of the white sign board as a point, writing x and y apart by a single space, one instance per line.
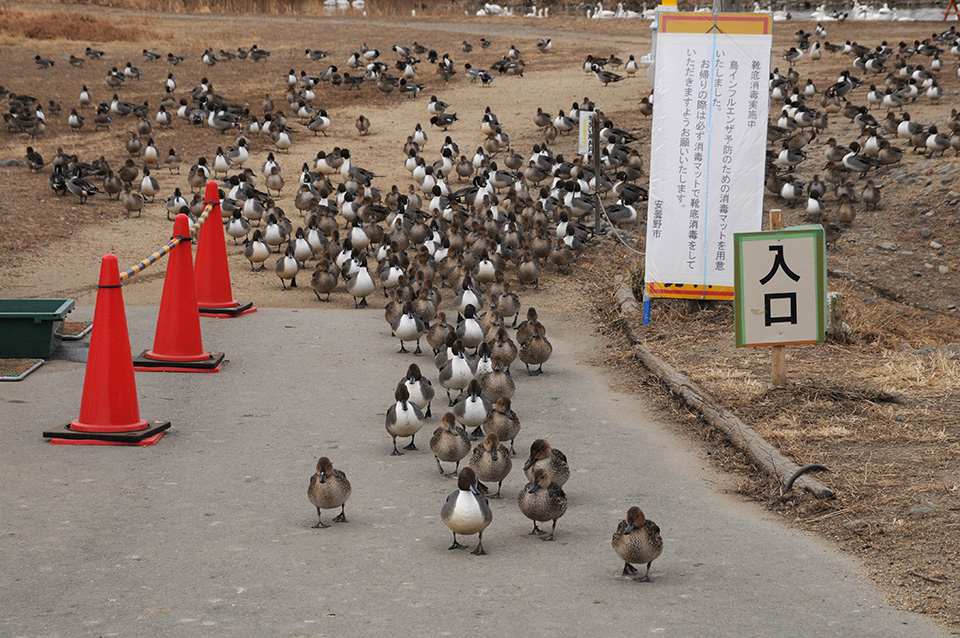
780 287
585 147
708 148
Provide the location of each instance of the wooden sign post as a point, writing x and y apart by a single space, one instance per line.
778 354
780 289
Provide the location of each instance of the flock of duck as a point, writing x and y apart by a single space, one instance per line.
484 238
885 78
474 227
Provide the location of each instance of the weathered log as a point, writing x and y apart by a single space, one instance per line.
741 435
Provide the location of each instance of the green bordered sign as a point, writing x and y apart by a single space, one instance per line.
780 278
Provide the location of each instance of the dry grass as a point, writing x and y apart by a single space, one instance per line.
37 25
906 371
282 7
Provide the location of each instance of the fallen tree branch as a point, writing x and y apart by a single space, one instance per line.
768 457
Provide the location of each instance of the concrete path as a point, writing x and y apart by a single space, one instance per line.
208 532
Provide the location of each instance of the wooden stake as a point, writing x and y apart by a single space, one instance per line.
778 355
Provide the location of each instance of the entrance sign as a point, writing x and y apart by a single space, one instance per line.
708 148
781 290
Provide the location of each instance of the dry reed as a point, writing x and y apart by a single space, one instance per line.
285 7
38 25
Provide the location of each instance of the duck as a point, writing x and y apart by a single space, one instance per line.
528 272
498 383
455 373
503 347
173 161
419 388
403 419
81 187
871 194
438 332
256 251
936 141
324 279
113 186
408 327
466 511
491 462
132 202
537 350
360 284
469 330
329 489
149 186
542 456
525 329
363 124
236 227
542 500
34 160
503 422
472 408
449 443
287 267
637 540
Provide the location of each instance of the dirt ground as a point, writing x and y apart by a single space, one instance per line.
883 417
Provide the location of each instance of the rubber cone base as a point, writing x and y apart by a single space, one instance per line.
63 435
229 312
142 363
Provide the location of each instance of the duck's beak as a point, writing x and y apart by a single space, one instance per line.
493 454
474 490
534 488
323 477
629 529
530 461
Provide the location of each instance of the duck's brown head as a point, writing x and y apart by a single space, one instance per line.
635 519
324 468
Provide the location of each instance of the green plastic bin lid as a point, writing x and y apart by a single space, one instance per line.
36 309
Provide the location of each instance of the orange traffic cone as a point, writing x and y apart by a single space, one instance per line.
214 295
178 345
109 410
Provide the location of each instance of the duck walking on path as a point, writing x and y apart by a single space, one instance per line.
542 500
329 489
637 540
466 511
491 461
544 457
403 419
449 443
537 350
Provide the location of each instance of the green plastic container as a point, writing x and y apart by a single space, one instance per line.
32 328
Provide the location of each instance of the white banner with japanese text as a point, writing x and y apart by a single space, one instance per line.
708 147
